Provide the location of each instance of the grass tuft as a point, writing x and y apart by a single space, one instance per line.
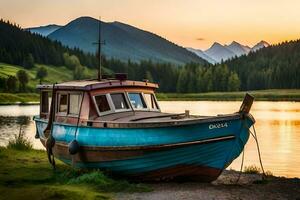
252 169
268 173
20 142
93 177
104 183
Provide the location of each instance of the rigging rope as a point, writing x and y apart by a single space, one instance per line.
254 135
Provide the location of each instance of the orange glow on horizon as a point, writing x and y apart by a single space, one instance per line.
180 21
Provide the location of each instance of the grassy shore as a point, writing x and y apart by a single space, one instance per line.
19 98
260 95
26 174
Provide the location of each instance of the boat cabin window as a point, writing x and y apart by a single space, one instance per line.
45 101
125 101
151 102
137 100
74 104
63 103
102 103
119 101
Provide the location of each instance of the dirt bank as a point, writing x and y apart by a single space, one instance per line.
249 187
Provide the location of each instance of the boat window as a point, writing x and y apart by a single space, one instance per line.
74 103
119 101
151 102
45 101
102 103
137 100
63 103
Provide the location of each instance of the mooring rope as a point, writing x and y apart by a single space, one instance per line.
241 169
78 117
76 130
50 141
254 135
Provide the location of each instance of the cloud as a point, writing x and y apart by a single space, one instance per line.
200 39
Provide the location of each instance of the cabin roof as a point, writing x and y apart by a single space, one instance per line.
96 84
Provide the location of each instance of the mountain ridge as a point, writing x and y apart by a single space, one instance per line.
44 30
127 42
123 42
218 52
202 54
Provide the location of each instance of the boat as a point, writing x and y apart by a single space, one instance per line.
116 125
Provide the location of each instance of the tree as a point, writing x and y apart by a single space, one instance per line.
11 84
23 80
233 82
41 73
28 62
182 81
207 78
200 82
78 72
149 76
3 85
220 78
71 61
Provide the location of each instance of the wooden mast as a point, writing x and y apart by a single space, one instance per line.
99 43
99 50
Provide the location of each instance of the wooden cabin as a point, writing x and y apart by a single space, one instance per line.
95 101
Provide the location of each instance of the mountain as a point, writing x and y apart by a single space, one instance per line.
238 49
201 54
219 52
122 41
260 45
44 30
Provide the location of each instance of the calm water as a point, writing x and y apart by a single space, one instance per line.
277 126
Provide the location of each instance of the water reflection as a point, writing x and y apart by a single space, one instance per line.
12 117
10 127
277 125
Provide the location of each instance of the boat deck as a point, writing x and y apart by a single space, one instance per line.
144 119
144 116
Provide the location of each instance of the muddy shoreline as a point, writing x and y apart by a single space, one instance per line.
249 186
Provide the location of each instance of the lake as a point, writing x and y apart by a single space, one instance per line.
277 125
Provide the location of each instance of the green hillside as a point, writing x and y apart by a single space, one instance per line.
55 74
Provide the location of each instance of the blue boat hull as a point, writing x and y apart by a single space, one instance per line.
199 150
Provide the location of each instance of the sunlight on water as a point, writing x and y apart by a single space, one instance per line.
277 126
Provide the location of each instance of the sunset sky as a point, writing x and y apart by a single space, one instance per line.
190 23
